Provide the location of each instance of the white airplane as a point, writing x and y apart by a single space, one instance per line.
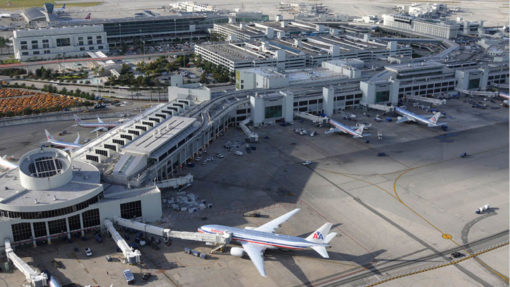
407 116
60 11
255 240
66 145
505 96
99 126
356 132
7 164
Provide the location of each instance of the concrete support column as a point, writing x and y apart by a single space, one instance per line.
48 232
81 225
68 229
288 106
33 234
328 100
257 110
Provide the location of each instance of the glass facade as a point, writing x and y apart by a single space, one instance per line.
21 231
51 213
131 209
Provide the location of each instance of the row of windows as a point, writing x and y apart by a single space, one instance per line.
131 210
51 213
46 52
23 231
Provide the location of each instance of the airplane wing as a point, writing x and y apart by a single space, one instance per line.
256 254
403 119
97 129
272 225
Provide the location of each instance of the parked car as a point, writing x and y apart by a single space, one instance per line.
88 252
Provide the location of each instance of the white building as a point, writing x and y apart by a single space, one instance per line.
52 196
441 29
58 42
396 82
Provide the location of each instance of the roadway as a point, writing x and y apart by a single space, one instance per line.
80 60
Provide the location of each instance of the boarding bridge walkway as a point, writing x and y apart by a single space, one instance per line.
315 119
132 256
213 239
379 107
254 137
478 93
35 279
432 101
175 182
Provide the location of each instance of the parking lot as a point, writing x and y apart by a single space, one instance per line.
396 213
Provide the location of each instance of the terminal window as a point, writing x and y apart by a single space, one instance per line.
91 218
273 112
63 42
382 96
57 226
74 222
39 229
474 84
21 231
131 209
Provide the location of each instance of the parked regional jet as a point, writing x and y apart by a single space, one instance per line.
356 132
65 145
255 240
99 126
7 164
407 116
59 11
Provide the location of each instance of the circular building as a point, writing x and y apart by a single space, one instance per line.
49 196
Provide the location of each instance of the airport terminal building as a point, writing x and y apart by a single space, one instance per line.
53 196
53 43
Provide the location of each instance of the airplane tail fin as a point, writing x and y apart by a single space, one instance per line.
76 119
99 120
360 129
321 236
88 16
435 117
48 135
64 6
77 140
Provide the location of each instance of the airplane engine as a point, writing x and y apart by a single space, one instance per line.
236 251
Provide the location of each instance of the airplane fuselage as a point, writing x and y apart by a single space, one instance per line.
98 125
344 128
7 164
269 240
64 144
414 116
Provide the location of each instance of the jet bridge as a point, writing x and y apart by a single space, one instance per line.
35 279
213 239
132 256
315 119
436 102
254 137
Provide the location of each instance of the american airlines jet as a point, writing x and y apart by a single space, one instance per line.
407 116
99 126
7 164
255 240
65 145
356 132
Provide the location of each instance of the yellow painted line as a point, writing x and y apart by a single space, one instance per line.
440 266
443 234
